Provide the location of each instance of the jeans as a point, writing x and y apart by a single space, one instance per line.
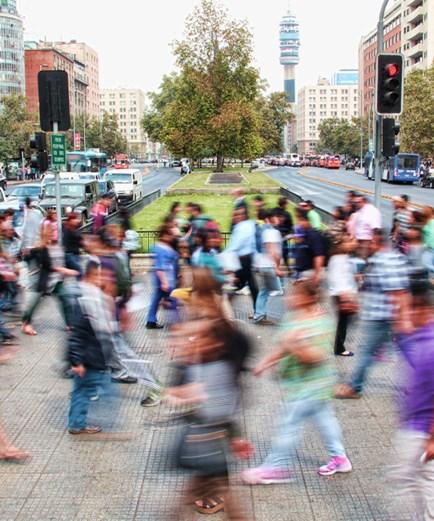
157 297
292 415
34 298
267 281
245 276
412 479
343 322
83 389
374 334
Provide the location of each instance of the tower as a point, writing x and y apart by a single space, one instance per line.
289 58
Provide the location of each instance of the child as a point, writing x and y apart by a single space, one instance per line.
308 379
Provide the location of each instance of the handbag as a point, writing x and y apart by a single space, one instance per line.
204 447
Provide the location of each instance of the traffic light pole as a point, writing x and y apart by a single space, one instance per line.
58 202
379 119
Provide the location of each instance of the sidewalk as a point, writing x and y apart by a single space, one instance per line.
126 480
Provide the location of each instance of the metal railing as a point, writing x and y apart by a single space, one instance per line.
327 217
148 238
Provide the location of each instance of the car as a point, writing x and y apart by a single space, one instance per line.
21 192
76 196
3 182
350 165
175 163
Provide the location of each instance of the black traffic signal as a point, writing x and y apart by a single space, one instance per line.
53 100
390 131
42 161
390 84
39 141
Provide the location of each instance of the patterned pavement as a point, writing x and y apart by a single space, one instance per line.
131 476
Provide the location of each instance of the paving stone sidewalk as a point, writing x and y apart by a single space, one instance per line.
133 477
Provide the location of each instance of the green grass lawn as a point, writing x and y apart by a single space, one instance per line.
198 178
219 207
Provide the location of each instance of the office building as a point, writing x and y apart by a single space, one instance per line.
129 106
11 50
88 57
289 58
418 34
346 77
319 102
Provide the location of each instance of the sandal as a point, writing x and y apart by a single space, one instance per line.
27 329
210 505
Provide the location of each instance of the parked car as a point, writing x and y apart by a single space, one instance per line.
21 192
76 196
350 165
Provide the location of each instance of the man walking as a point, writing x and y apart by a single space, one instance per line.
366 220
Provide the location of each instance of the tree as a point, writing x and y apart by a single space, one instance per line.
275 111
105 135
16 125
340 136
417 121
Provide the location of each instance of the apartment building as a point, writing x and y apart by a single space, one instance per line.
11 49
319 102
129 106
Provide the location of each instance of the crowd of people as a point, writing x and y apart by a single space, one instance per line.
351 265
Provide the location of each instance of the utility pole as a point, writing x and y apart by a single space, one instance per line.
379 119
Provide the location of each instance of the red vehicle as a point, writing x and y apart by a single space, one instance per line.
333 162
322 161
121 161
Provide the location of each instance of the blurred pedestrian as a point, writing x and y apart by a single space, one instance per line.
100 212
72 241
285 227
307 376
384 299
366 220
412 472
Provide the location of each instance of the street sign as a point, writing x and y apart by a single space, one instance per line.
58 150
77 141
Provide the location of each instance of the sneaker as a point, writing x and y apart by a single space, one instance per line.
336 464
151 400
86 430
154 325
277 293
264 322
124 380
266 476
94 398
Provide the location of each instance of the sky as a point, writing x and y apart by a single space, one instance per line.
133 37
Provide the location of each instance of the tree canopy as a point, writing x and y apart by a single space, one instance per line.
340 136
213 105
417 121
16 125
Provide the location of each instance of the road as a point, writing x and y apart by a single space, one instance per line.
327 188
158 177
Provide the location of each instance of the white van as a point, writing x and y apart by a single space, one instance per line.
128 183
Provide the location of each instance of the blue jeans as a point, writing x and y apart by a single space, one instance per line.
267 281
157 296
374 334
292 415
72 262
83 389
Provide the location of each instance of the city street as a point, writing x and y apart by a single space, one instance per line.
131 476
157 177
327 188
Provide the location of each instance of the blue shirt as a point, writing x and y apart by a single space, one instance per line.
243 238
165 259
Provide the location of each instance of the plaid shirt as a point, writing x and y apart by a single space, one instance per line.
386 272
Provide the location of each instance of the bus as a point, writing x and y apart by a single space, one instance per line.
121 161
87 161
402 168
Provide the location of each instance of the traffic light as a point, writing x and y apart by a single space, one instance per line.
390 131
390 84
42 161
39 141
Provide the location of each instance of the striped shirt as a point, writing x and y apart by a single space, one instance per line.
386 272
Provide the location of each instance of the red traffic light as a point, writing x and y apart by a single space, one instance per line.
392 70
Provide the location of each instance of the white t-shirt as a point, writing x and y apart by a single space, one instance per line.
269 236
341 275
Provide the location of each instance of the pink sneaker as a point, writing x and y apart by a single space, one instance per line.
336 464
266 476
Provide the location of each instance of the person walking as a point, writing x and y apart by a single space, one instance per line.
285 227
72 241
384 299
307 376
365 221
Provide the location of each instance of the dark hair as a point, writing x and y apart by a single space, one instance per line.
282 201
380 235
405 198
163 230
174 205
28 202
258 198
341 214
301 213
197 207
91 266
263 214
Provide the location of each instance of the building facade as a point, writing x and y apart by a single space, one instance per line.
129 107
319 102
289 38
346 77
88 57
12 79
408 29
